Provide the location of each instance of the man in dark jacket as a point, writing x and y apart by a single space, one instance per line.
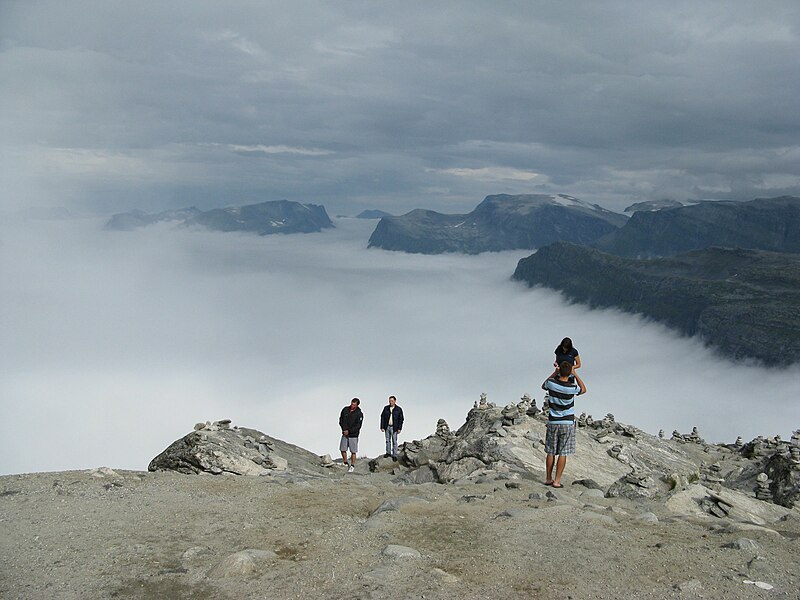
350 421
391 424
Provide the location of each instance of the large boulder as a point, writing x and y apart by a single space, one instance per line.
220 448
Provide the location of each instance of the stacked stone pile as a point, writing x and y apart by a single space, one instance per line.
688 438
762 488
443 430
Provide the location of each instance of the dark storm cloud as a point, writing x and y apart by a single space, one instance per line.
108 105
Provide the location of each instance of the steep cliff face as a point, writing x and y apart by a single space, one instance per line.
763 224
746 303
500 222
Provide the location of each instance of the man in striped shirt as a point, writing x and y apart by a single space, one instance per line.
562 386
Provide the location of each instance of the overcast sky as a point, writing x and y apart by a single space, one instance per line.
107 106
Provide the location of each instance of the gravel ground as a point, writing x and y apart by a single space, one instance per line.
126 534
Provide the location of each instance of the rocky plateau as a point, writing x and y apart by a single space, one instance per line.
230 512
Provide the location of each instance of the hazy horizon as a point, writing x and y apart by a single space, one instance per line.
116 343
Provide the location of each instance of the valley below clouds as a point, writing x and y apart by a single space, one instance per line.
115 343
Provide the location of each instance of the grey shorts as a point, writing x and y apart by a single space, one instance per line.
560 439
347 443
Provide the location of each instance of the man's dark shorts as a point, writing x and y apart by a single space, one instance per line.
560 439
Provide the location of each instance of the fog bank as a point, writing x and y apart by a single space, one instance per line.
115 343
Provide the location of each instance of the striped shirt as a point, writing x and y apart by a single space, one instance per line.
562 406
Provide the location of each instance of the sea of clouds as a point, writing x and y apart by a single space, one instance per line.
114 344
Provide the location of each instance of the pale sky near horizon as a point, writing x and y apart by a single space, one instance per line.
111 105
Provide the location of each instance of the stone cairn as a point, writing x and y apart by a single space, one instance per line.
215 426
762 447
762 488
637 478
712 475
512 415
794 452
483 404
443 430
532 410
688 438
618 451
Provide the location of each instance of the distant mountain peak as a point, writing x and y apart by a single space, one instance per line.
499 222
263 218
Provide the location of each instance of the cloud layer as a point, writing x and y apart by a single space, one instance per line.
112 105
115 343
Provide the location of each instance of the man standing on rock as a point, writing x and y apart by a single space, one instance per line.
350 421
391 424
562 386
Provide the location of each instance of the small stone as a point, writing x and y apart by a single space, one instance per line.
215 470
743 544
762 478
592 493
472 497
199 426
693 585
101 472
246 562
759 584
444 576
647 517
193 552
395 551
512 485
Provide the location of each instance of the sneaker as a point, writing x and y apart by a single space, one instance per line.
351 469
394 458
387 455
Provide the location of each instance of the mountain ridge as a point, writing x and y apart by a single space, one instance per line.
499 222
745 303
263 218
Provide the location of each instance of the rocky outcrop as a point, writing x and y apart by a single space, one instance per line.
506 445
650 205
746 303
500 222
281 216
218 448
771 224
